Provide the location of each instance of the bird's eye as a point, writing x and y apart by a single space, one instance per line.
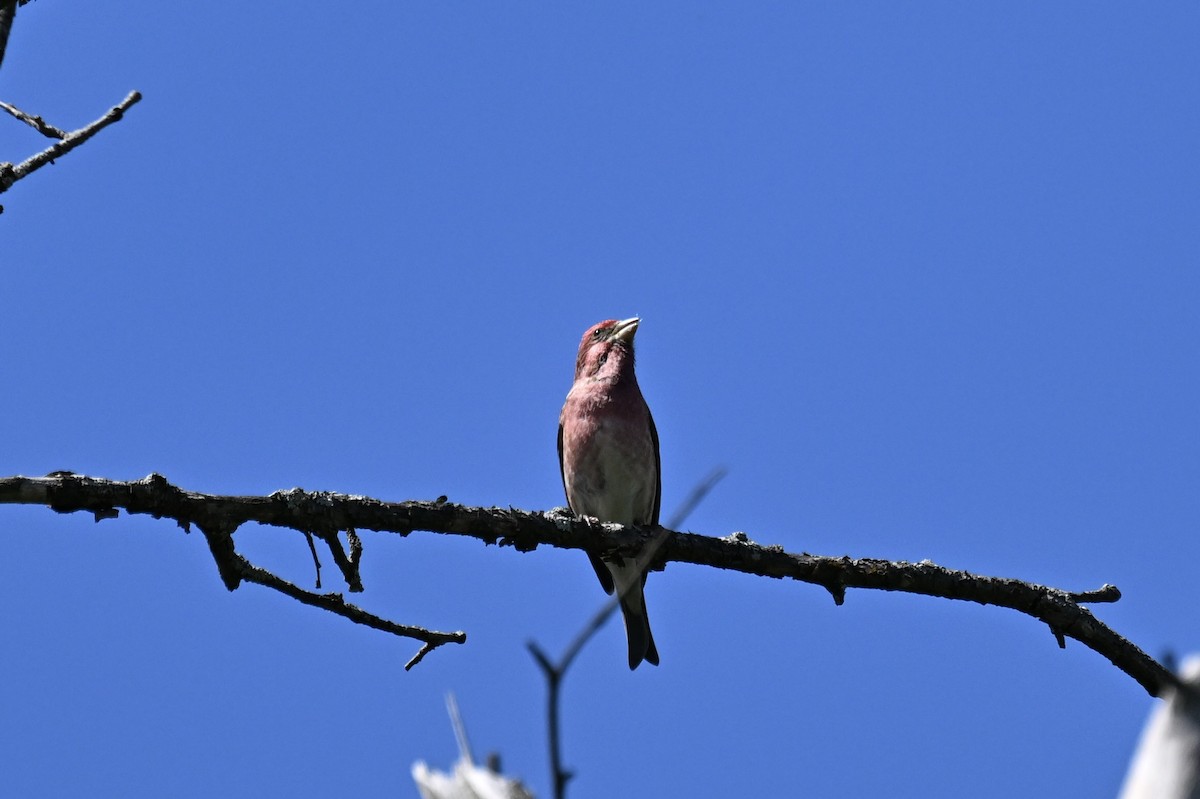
599 334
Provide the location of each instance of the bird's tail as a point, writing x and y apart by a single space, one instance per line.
637 627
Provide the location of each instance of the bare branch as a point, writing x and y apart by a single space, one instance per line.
334 603
312 549
234 569
554 675
218 529
10 174
525 531
37 123
348 565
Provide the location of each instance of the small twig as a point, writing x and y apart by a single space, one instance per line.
1105 593
348 566
316 561
10 174
421 653
37 123
554 676
334 603
356 550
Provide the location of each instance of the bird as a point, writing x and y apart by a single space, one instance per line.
609 458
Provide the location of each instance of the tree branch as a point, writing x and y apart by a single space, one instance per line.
10 174
325 512
66 492
37 123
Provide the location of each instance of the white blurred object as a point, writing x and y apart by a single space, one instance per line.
467 781
1167 762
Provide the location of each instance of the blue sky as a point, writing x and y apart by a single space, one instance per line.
922 277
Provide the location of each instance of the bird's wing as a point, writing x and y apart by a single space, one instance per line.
602 573
657 469
561 471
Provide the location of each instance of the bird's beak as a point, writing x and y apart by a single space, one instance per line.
624 330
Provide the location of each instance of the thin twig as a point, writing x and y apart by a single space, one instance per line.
421 653
348 566
356 551
37 123
554 676
334 603
312 548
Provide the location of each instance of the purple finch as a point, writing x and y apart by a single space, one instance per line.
608 453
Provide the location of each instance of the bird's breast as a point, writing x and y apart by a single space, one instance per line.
609 463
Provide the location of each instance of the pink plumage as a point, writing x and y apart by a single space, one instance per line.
608 453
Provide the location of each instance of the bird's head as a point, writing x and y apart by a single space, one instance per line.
607 348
